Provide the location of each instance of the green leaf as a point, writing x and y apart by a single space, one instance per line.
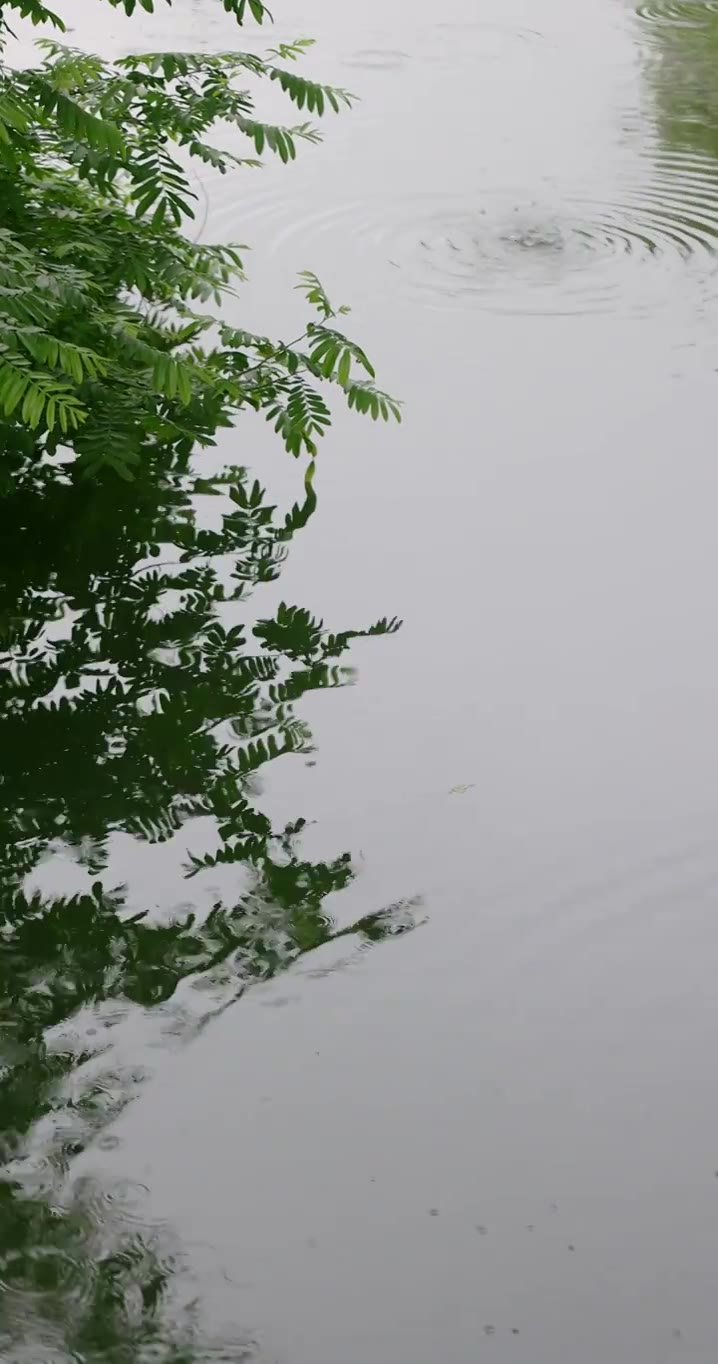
344 368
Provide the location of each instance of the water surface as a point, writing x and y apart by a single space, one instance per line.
493 1137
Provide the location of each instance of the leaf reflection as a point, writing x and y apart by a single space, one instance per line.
139 698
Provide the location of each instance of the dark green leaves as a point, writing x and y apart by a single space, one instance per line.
74 121
33 10
300 417
176 704
100 345
310 285
35 398
281 141
333 354
309 94
370 401
160 186
238 8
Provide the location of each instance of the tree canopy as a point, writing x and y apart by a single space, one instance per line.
112 341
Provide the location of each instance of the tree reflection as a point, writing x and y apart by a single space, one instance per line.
139 696
683 59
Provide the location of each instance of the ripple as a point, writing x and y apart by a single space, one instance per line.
505 252
377 59
678 13
447 43
481 29
44 1269
451 43
590 898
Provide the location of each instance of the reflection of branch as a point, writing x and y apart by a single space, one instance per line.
213 724
60 781
390 922
163 563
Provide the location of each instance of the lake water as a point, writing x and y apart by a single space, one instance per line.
450 1099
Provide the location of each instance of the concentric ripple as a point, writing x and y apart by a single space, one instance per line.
447 43
560 253
377 59
570 257
477 40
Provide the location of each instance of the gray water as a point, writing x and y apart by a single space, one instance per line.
495 1138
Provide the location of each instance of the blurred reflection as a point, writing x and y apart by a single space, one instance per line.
682 37
139 698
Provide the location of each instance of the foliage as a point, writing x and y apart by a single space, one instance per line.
141 695
108 347
163 698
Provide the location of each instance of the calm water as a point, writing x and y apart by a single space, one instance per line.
421 1053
